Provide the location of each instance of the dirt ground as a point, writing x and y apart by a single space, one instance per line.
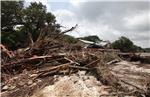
77 85
132 72
86 85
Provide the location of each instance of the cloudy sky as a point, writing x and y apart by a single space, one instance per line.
107 19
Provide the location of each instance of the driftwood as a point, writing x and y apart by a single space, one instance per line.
9 53
71 61
80 68
35 58
60 69
54 68
112 62
30 38
93 63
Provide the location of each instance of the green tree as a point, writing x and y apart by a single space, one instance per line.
125 45
70 39
36 18
10 17
10 14
147 49
33 21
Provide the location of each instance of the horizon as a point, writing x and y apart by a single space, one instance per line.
109 20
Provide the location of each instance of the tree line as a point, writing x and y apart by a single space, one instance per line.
21 25
124 44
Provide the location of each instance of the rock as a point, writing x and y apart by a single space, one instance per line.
81 73
21 83
5 88
34 84
33 75
12 87
30 82
70 86
39 80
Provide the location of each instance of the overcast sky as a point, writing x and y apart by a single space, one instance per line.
107 19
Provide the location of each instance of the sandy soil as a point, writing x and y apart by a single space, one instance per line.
132 72
76 85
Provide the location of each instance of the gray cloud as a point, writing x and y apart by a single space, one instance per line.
112 13
107 10
109 20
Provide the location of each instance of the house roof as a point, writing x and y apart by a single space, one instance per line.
102 43
86 41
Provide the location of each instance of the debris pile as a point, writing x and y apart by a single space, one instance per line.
55 65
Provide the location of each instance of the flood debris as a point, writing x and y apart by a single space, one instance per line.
142 57
53 68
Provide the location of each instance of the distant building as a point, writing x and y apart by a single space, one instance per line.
90 44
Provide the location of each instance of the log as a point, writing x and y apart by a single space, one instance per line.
93 63
9 53
79 67
55 67
35 58
59 68
71 61
112 62
53 70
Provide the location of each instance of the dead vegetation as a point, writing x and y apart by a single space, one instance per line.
27 71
